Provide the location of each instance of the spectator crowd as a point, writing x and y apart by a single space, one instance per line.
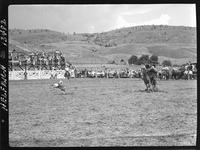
37 60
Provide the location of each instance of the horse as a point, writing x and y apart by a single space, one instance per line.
177 73
148 77
164 73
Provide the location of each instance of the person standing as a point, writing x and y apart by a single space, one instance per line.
25 75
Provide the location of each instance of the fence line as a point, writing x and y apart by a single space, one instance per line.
35 74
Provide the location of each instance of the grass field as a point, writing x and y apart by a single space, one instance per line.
102 112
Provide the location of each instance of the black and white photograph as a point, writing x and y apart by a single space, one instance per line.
102 75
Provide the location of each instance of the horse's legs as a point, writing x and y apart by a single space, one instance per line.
153 83
149 87
155 89
146 87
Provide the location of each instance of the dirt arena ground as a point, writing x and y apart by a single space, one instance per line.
102 112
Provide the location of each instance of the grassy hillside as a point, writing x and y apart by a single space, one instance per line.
148 34
176 43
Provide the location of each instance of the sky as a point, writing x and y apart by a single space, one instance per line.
99 18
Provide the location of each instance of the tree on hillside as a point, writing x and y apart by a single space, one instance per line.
111 62
122 61
153 27
143 59
166 63
132 60
154 59
108 45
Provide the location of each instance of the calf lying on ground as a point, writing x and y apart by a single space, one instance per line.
60 86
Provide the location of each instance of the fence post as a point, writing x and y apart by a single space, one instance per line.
25 73
39 73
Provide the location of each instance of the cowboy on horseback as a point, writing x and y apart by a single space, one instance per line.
148 75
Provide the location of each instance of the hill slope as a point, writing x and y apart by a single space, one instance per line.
176 43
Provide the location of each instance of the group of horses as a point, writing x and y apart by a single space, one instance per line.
184 72
85 73
149 77
163 73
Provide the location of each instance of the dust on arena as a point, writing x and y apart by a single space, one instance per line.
102 112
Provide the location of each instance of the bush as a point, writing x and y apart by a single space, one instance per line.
132 60
166 63
122 61
144 59
154 58
139 62
111 62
